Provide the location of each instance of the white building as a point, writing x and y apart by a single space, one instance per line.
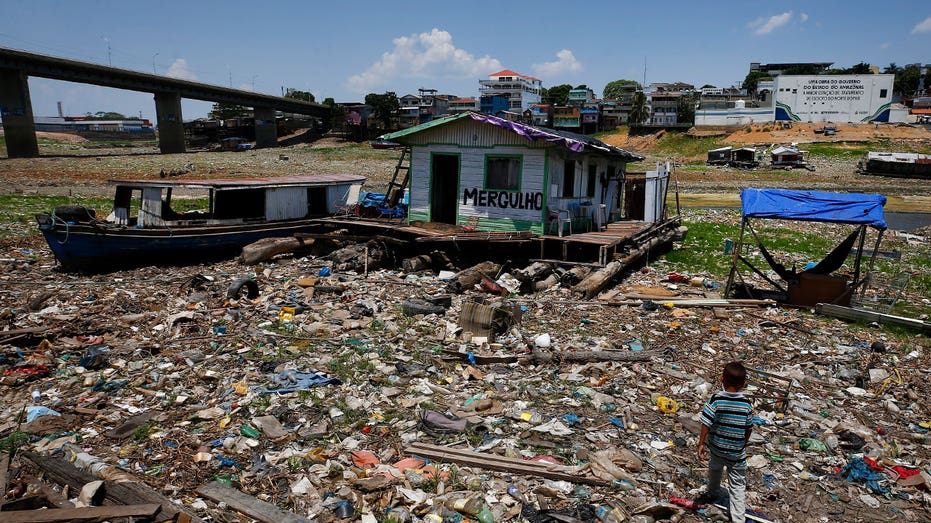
522 91
841 98
834 98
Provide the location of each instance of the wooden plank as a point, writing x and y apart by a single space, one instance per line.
248 505
502 464
124 493
82 515
848 313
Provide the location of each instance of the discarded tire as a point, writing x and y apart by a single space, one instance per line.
417 306
236 289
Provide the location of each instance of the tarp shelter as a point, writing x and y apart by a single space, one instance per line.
814 284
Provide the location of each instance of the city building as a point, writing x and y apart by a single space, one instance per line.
521 91
461 105
580 97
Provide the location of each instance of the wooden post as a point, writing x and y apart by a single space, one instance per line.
737 247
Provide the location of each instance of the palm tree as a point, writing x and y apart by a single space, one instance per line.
638 113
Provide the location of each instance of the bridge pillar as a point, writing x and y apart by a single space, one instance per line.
170 125
19 128
266 130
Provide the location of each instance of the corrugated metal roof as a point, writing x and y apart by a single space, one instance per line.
231 183
572 140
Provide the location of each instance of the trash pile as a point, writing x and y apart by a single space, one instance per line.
309 389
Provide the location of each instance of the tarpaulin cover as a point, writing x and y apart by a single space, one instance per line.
531 133
815 206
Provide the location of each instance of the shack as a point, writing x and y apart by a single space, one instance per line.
744 158
787 157
720 156
498 175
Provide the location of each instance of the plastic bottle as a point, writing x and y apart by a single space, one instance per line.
609 514
472 506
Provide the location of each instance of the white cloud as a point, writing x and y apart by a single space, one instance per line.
179 69
245 87
565 63
923 27
424 55
803 17
884 45
764 26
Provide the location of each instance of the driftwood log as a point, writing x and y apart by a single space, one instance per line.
600 279
590 356
469 278
266 248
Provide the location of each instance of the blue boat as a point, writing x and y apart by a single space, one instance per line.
143 229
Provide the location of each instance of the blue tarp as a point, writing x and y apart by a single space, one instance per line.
814 206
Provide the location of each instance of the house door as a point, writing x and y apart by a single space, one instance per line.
444 188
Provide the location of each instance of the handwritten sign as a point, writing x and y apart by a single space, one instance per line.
503 200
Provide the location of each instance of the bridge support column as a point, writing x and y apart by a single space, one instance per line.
19 128
266 130
170 125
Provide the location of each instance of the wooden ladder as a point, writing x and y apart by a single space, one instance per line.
396 189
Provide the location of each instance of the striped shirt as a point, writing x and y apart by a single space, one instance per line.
728 417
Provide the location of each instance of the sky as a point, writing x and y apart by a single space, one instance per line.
344 50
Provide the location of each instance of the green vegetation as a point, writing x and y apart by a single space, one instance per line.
857 149
683 145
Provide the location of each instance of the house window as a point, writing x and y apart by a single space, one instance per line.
883 93
592 176
568 179
502 173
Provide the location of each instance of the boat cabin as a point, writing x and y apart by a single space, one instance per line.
497 175
155 204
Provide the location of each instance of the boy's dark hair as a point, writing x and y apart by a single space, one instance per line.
735 375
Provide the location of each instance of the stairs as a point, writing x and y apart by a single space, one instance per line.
395 188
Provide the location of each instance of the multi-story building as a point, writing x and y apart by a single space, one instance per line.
521 91
580 97
565 117
542 115
664 107
461 105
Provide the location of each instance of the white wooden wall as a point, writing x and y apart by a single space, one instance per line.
472 176
286 203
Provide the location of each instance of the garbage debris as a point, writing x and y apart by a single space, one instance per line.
304 387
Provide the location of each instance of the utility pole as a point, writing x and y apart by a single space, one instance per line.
153 63
109 58
253 81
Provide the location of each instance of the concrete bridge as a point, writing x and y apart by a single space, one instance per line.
16 107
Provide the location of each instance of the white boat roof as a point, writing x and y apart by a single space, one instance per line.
897 157
308 180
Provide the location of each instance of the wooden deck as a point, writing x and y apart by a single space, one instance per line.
594 247
605 242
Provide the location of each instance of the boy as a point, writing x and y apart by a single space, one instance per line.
725 426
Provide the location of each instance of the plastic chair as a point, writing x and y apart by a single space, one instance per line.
558 217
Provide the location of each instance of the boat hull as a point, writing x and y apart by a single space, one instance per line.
94 248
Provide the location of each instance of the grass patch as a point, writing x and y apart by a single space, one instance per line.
679 144
848 150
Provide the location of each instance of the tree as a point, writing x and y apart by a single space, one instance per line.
385 106
558 95
805 69
613 90
106 115
581 86
222 111
708 86
860 68
907 78
752 80
337 113
294 94
638 113
685 109
892 69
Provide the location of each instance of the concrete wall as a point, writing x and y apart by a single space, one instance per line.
834 98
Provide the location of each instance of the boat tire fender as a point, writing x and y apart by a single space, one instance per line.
235 289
